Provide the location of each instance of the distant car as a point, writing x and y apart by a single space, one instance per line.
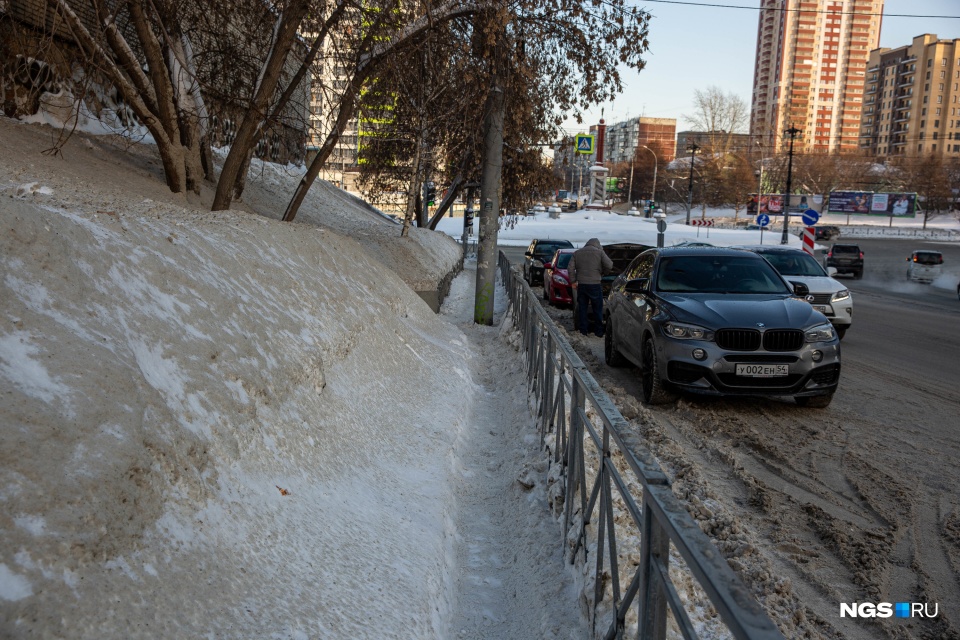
719 321
537 253
827 232
556 278
924 266
692 243
845 258
829 297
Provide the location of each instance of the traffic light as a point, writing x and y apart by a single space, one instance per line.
430 193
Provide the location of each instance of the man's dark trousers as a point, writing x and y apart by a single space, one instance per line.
591 294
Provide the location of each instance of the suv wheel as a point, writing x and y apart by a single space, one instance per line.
611 354
655 390
815 402
858 274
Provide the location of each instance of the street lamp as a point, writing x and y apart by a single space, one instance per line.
760 184
792 132
653 192
692 148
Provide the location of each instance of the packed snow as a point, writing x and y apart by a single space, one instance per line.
221 425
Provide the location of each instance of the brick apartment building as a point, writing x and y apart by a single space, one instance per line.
810 72
911 106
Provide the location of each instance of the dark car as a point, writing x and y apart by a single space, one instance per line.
556 278
537 253
845 258
827 232
721 322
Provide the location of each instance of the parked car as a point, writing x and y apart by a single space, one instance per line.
828 296
924 266
556 278
537 253
621 254
827 232
845 258
719 321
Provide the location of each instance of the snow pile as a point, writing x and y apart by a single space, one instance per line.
216 424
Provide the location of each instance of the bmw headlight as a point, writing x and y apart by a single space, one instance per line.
559 279
821 333
537 263
682 331
843 294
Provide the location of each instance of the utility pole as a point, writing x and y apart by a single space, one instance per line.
653 191
692 148
489 204
792 132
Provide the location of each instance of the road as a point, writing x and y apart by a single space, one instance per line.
859 502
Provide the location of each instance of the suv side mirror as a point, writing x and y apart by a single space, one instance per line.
637 286
831 271
529 254
800 289
548 265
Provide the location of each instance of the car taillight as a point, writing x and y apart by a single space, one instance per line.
830 255
861 255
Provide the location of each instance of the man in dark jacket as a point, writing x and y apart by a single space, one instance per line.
586 269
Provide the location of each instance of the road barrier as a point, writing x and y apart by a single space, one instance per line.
613 491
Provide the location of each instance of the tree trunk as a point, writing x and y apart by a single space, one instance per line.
412 199
237 161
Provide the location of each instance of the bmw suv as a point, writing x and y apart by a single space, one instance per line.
719 321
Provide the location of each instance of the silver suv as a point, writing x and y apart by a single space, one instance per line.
719 321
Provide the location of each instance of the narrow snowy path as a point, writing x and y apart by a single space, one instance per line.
512 581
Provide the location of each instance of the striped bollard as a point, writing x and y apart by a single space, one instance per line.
809 234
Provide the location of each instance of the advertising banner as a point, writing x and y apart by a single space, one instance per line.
849 202
895 205
773 204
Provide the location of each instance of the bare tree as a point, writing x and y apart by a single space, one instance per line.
718 115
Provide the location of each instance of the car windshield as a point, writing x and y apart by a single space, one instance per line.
846 248
546 249
562 261
927 257
718 274
794 263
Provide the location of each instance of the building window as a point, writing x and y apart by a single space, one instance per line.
923 124
938 111
935 135
936 125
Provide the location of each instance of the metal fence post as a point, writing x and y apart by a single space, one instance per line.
654 547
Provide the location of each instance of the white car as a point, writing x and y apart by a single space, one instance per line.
924 266
827 295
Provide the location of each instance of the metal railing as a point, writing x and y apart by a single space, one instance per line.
613 491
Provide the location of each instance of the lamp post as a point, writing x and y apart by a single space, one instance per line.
760 183
692 148
653 192
792 132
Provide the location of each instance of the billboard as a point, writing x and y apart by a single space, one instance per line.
773 204
896 205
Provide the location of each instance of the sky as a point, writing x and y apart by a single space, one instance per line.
695 46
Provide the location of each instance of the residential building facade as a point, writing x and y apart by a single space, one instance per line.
733 142
810 71
912 104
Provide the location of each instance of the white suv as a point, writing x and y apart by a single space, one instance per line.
828 296
924 266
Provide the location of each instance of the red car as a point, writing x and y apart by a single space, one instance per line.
556 279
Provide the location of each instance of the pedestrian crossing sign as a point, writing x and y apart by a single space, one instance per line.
584 143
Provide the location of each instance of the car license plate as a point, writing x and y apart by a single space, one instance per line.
763 370
819 307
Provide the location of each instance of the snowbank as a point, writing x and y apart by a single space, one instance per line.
216 424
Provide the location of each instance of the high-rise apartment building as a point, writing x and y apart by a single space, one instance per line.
912 104
811 69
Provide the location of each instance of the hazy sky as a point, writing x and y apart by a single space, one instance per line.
695 47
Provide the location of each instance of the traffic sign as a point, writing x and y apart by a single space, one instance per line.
661 225
810 217
584 143
763 219
701 223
